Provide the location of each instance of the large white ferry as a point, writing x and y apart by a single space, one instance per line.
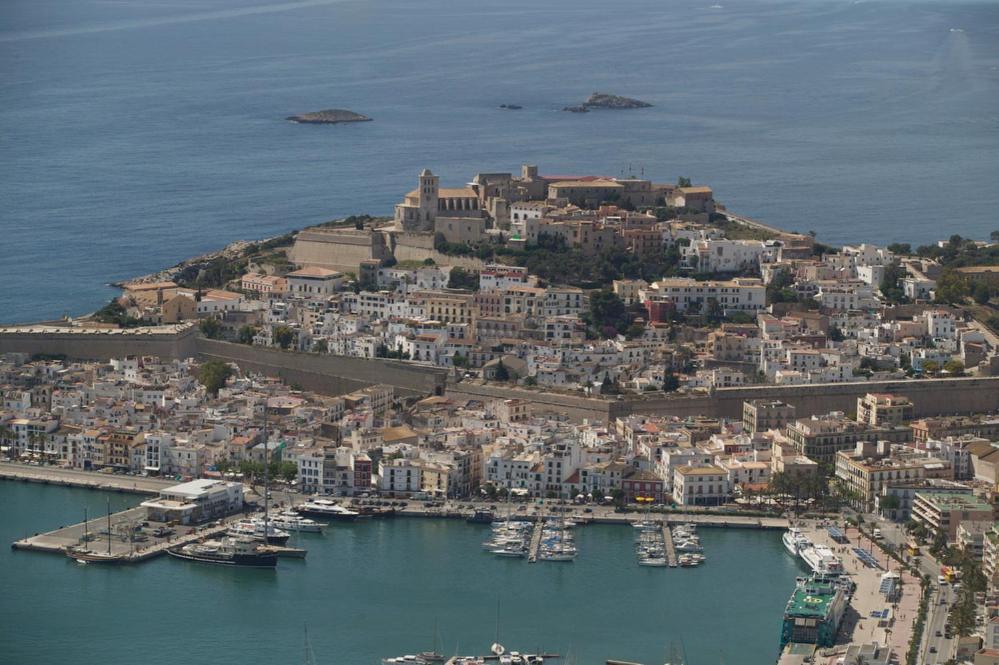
795 541
822 560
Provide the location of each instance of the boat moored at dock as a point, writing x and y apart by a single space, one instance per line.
226 552
255 528
327 510
795 541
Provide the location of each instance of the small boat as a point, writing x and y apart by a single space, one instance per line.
656 562
517 551
481 517
226 552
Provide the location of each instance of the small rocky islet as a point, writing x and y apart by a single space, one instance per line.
328 117
601 100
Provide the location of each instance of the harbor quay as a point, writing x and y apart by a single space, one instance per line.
144 543
48 475
141 533
871 617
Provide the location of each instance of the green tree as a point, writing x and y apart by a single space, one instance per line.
210 328
502 373
891 283
671 383
246 334
954 367
213 375
952 288
683 181
981 293
284 336
287 471
320 346
931 367
597 494
890 502
460 278
608 314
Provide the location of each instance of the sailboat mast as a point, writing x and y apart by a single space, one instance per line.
86 533
109 526
267 461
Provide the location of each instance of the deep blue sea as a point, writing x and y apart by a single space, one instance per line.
376 589
136 133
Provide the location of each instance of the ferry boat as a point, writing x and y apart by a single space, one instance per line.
814 611
226 552
822 560
254 528
292 521
795 541
326 509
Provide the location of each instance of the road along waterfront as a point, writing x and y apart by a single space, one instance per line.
373 589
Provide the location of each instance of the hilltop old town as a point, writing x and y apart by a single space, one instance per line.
612 291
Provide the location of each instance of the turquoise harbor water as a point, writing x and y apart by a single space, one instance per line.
372 590
136 133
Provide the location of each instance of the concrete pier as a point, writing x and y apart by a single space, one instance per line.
124 548
535 546
670 548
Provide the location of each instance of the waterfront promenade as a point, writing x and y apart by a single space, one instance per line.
858 625
53 475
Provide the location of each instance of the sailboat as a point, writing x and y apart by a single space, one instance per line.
422 658
83 554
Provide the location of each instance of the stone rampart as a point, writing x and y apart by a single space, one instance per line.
327 374
99 344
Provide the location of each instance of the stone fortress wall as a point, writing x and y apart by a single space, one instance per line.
335 375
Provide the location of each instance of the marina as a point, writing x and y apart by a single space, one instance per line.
419 559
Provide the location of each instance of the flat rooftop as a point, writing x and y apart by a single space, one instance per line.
812 600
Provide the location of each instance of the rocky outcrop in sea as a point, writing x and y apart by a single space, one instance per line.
328 117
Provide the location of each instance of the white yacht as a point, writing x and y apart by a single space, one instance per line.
292 521
795 541
254 528
326 509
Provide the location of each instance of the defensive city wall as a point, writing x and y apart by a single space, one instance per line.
335 375
178 341
327 374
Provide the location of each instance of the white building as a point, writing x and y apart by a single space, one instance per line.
741 294
700 485
400 475
314 282
195 502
